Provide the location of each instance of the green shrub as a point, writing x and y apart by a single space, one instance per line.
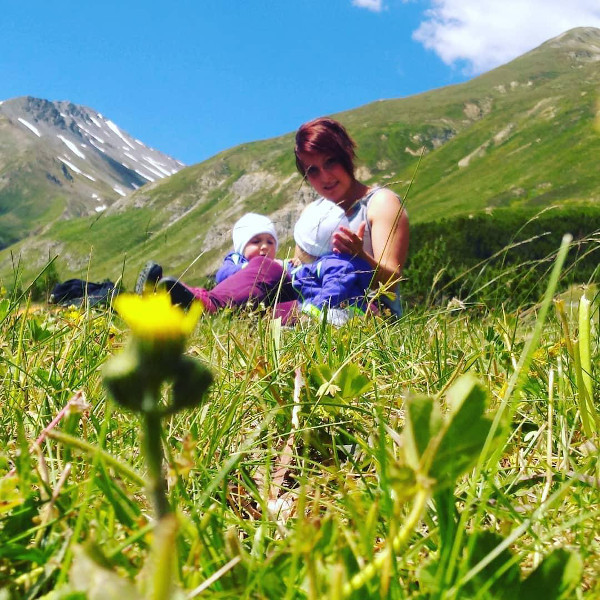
462 257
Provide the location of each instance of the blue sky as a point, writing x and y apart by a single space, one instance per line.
194 77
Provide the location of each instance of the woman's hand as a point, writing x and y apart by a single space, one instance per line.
346 241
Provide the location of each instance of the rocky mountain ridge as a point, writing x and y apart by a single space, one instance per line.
72 157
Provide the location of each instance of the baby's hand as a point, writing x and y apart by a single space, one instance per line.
290 263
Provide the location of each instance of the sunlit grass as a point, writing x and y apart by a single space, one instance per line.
288 482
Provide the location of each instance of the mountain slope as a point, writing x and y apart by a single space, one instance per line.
60 160
520 135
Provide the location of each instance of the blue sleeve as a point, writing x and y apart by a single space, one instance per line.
232 263
341 281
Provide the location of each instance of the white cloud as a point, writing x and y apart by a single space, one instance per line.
374 5
488 33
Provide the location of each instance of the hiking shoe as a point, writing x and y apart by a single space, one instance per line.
180 295
148 278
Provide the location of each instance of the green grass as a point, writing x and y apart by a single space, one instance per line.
294 476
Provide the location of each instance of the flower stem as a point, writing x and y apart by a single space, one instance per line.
152 444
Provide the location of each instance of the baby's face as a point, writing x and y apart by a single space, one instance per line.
262 244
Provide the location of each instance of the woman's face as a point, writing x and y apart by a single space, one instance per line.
327 176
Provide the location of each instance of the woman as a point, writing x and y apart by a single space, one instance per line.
378 231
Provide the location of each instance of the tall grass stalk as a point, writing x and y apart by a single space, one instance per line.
589 415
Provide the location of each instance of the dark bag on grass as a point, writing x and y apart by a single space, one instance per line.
73 292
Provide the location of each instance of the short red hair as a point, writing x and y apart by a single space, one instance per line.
325 136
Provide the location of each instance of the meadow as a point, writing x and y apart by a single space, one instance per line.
450 454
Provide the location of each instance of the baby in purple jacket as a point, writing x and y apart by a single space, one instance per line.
253 235
338 281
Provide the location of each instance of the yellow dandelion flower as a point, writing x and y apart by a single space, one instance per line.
153 317
73 315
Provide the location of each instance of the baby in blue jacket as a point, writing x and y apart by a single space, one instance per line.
338 281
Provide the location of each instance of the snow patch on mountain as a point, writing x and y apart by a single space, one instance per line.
145 176
70 165
154 171
30 126
114 128
97 147
159 166
71 146
75 169
98 139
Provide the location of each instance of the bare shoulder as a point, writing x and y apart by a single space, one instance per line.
389 232
384 204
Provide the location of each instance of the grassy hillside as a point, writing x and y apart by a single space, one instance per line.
520 136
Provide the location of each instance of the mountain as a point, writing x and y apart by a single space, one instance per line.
59 160
521 135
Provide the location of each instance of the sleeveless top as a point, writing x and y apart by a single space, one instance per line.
358 214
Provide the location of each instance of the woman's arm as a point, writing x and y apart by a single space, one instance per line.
389 236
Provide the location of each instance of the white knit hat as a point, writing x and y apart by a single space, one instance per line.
317 223
248 226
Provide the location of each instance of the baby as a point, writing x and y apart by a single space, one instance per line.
253 235
338 281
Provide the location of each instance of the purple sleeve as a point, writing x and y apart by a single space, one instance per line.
232 263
